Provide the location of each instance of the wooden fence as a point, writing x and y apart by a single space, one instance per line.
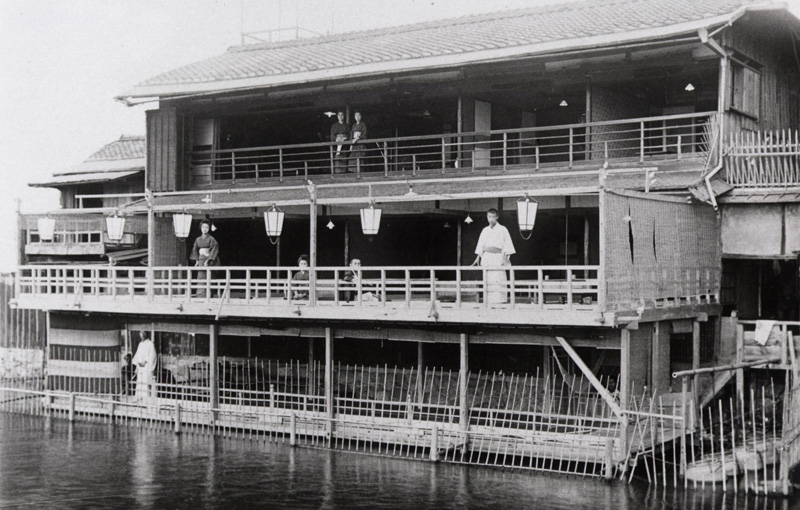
763 159
19 329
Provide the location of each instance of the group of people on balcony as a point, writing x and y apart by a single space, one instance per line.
493 250
348 154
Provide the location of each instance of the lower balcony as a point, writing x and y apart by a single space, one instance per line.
517 295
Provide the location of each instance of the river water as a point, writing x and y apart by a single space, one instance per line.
53 464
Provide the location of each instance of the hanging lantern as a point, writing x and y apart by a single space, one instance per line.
182 223
371 219
115 226
46 226
468 219
273 222
330 225
526 213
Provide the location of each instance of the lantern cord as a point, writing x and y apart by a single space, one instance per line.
275 241
523 235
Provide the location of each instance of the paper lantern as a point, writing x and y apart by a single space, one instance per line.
46 226
182 223
273 222
526 213
371 219
115 226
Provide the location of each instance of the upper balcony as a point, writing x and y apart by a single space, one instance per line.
680 141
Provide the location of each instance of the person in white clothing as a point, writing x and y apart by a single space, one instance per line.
494 249
145 362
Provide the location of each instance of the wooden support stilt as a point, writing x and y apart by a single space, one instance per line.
434 454
71 407
739 358
420 369
329 414
177 418
463 379
310 373
213 369
293 430
312 245
695 362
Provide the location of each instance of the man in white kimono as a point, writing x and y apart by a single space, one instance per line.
494 249
145 362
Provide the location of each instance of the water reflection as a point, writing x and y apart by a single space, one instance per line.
96 466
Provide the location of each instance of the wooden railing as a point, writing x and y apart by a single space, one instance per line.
763 159
639 139
530 287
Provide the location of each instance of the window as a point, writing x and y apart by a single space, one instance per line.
745 89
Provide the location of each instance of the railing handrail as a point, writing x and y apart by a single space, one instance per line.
317 268
464 134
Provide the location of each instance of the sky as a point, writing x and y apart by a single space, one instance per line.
63 62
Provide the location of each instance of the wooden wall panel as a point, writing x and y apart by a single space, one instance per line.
164 150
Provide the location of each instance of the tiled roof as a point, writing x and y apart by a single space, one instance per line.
443 43
127 147
127 153
118 159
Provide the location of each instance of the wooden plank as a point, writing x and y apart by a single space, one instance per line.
587 372
463 381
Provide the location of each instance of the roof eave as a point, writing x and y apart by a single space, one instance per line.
575 45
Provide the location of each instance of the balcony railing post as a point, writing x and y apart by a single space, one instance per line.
280 164
680 148
570 146
505 151
385 159
413 164
233 166
330 155
641 141
512 288
536 149
358 167
444 155
569 289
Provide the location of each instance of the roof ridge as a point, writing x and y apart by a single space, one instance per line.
571 5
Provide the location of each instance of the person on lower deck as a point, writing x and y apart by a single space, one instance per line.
205 252
300 279
145 362
494 249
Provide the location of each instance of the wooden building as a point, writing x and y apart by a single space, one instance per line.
619 119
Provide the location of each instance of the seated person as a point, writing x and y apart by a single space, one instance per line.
300 279
350 282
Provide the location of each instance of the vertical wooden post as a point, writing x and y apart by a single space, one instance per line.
177 417
458 242
310 375
151 242
696 354
293 430
213 376
71 407
346 242
420 369
624 384
312 245
601 272
329 380
434 454
739 359
463 380
684 422
609 459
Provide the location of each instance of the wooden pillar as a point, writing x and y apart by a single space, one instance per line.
310 372
660 358
458 241
312 246
696 353
346 242
601 239
624 367
739 359
420 369
151 242
463 379
213 375
329 379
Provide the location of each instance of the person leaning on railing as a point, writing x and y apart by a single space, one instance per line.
358 133
340 132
